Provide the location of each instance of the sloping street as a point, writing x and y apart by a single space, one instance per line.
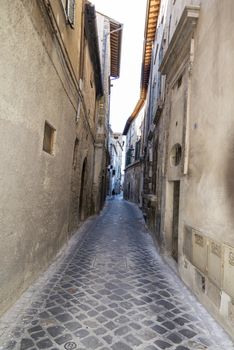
110 290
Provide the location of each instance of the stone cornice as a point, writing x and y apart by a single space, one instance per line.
179 46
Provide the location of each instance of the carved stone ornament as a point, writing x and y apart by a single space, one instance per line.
231 258
216 249
199 240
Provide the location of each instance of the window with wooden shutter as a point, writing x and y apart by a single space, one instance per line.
70 9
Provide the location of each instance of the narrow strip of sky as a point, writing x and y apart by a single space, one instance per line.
126 90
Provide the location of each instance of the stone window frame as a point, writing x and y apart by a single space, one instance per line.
69 11
49 138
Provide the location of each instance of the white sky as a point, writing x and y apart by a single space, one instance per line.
126 90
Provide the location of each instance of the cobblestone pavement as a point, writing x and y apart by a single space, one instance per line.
110 291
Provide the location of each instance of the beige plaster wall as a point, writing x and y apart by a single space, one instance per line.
206 194
211 167
34 185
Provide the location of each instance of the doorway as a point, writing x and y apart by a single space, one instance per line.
175 219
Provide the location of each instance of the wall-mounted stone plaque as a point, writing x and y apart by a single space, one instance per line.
215 262
228 270
199 251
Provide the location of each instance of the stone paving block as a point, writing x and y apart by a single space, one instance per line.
92 313
81 317
90 323
100 331
181 321
159 329
91 342
111 325
190 317
122 319
108 339
37 335
163 344
64 317
35 329
122 330
135 326
56 310
101 319
169 315
187 333
63 339
74 310
44 344
169 325
54 331
72 326
120 346
101 308
166 304
110 314
26 343
132 340
175 338
81 333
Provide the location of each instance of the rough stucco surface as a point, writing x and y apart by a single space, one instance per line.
34 185
211 128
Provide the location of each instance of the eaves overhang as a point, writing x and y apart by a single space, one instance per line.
92 36
152 13
179 46
134 114
153 8
116 29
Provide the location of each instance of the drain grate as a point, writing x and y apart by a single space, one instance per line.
70 345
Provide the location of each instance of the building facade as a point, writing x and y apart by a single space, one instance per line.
53 82
134 129
115 166
133 160
188 138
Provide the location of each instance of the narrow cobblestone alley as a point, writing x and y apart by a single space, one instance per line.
111 290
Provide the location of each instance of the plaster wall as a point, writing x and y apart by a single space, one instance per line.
211 164
34 185
206 205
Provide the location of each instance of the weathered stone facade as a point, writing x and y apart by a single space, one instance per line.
52 88
133 184
115 166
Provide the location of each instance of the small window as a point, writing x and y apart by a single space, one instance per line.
75 154
179 81
176 154
69 10
49 136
